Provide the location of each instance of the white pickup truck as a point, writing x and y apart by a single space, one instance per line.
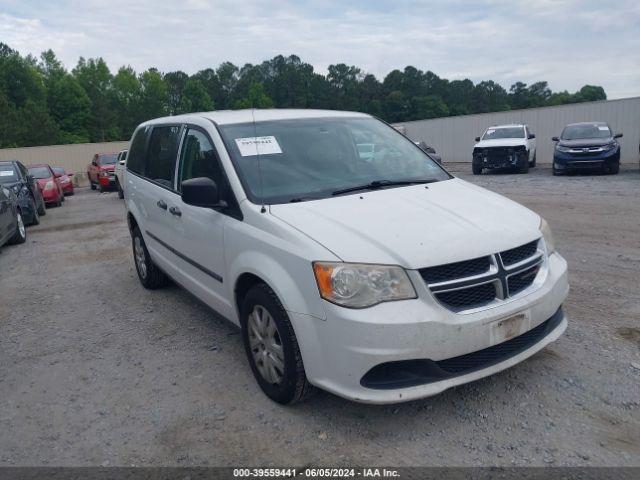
505 146
120 168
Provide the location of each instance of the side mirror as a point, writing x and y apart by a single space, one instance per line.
555 139
94 163
69 174
477 139
617 135
532 136
121 162
202 192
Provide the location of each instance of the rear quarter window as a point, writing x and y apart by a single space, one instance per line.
136 161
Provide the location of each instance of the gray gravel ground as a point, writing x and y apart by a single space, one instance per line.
95 370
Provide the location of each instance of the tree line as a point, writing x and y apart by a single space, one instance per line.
43 103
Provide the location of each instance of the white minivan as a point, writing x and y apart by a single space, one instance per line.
369 272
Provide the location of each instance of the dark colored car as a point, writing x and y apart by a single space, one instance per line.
65 180
15 176
429 150
11 223
48 184
587 146
101 171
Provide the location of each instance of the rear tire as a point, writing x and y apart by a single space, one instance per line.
532 163
151 277
271 347
21 233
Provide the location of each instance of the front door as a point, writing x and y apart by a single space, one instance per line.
199 232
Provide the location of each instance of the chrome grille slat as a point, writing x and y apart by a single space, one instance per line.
510 272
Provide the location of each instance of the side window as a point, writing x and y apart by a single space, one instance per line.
199 159
135 163
162 153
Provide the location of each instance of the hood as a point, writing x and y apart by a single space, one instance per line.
586 142
501 142
43 181
414 226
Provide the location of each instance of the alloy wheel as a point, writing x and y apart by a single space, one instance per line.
140 257
266 345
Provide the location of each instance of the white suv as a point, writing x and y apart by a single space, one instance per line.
505 146
368 272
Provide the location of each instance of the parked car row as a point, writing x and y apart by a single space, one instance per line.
25 193
581 146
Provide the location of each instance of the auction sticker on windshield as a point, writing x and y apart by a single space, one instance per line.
252 146
6 173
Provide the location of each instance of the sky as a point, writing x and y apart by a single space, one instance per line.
568 43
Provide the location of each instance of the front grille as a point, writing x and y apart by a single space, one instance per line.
410 373
521 280
451 271
480 281
468 297
515 255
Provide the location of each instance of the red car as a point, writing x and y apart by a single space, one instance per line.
65 180
101 171
48 184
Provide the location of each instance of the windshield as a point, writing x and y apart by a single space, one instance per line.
40 172
306 158
584 131
505 132
8 174
108 159
59 170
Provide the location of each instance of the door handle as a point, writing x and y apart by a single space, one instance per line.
175 211
162 204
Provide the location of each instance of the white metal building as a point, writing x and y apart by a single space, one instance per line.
454 137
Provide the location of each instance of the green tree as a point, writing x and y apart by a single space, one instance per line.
95 78
153 95
71 109
256 98
195 97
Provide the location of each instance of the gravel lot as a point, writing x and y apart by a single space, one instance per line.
95 370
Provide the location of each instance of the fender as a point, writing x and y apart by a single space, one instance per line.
294 293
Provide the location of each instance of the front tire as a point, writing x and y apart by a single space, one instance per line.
120 191
476 169
271 347
615 168
21 232
42 208
532 163
91 184
150 276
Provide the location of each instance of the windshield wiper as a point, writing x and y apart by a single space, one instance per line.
380 184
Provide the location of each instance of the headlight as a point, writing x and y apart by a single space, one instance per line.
357 285
546 235
48 185
609 146
560 148
16 189
104 173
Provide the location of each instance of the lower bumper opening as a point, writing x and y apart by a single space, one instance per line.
410 373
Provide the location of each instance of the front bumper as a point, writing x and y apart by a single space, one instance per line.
563 161
50 196
500 157
109 181
339 351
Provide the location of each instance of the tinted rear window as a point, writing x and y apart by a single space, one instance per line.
135 162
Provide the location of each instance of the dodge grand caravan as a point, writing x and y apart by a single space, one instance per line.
371 273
